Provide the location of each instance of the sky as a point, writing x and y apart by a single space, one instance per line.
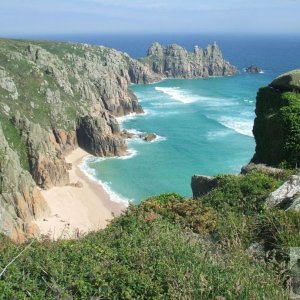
35 17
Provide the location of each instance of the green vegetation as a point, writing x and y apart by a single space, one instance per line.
277 127
290 118
242 194
168 247
15 142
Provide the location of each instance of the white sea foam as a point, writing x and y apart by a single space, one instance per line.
159 139
136 139
240 126
134 131
164 104
248 101
211 135
91 174
177 94
130 154
126 118
130 116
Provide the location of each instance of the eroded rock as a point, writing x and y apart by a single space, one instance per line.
201 185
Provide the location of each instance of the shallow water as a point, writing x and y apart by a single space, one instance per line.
204 125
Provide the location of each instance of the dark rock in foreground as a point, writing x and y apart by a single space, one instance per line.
201 185
277 123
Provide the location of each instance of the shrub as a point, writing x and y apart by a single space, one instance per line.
186 212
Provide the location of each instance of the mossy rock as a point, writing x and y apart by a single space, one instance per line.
277 123
289 81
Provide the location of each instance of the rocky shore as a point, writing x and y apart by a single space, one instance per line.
56 97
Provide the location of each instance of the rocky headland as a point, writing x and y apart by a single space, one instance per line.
175 61
58 96
277 134
276 126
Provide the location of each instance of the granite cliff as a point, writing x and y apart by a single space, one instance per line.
277 123
54 97
57 96
277 135
175 61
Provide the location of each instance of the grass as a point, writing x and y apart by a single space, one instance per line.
168 247
135 259
15 142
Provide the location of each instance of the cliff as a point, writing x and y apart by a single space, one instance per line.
175 61
277 135
277 123
54 97
57 96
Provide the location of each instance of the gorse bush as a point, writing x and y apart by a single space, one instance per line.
134 259
243 194
168 247
186 212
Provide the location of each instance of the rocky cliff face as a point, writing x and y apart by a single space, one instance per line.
277 123
101 136
54 96
20 199
175 61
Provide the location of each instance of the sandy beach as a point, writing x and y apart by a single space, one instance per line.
76 211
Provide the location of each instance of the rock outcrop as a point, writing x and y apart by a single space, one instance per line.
287 196
175 61
201 185
20 200
261 168
54 96
100 136
277 123
45 152
253 70
148 137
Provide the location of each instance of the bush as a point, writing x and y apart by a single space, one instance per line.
134 259
243 194
186 212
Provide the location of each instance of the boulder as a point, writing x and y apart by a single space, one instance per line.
289 81
148 137
287 196
261 168
201 185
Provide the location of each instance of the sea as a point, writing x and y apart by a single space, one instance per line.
203 126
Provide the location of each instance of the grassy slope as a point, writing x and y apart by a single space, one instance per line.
166 248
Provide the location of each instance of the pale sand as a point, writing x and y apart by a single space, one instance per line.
77 210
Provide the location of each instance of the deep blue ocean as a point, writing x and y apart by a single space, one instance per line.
204 125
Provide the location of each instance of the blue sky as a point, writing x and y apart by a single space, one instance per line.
26 17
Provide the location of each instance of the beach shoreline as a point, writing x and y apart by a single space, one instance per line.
81 207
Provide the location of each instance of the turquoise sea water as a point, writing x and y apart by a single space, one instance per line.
204 125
